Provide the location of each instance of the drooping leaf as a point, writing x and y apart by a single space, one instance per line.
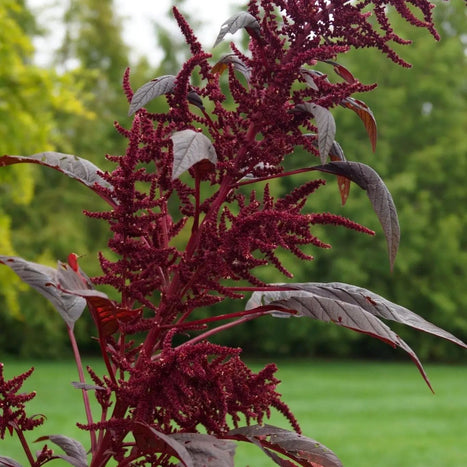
337 154
105 311
45 280
236 22
190 147
309 77
9 462
326 127
194 98
150 90
366 116
72 166
237 64
149 440
380 197
376 305
206 450
305 451
330 309
342 71
74 450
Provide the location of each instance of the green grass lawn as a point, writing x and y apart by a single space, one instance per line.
370 414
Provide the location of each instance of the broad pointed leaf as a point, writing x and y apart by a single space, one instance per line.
237 64
149 91
326 127
329 309
236 22
151 440
45 280
9 462
367 179
206 450
366 116
305 451
72 166
190 147
74 450
376 305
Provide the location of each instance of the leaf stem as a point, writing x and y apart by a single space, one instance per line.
79 365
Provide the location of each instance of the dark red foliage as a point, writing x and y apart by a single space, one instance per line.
13 405
179 243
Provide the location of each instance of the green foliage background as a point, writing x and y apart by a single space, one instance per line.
421 155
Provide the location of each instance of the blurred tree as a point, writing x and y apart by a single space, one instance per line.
422 156
29 100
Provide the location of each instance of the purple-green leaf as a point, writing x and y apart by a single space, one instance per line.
149 440
348 306
376 305
9 462
206 450
305 451
367 179
149 91
74 450
190 147
325 124
45 280
72 166
309 77
237 64
236 22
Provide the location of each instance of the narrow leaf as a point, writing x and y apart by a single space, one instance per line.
194 98
376 305
8 462
72 166
337 154
206 450
342 71
367 179
86 387
345 314
366 116
236 22
238 65
74 450
325 124
149 91
305 451
190 147
45 280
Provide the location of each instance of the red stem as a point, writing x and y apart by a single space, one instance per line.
79 365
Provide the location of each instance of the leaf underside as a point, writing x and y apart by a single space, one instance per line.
74 167
74 450
150 90
236 22
305 451
348 306
46 281
190 147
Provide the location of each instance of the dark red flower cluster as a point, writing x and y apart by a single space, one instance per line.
200 385
178 245
12 405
